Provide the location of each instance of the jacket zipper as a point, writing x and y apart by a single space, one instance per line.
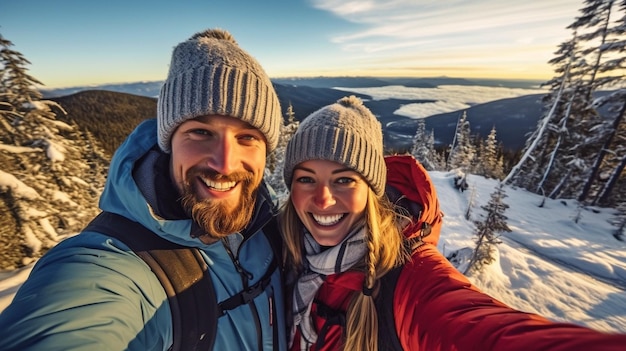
247 276
245 279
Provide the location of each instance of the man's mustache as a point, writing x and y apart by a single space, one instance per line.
219 177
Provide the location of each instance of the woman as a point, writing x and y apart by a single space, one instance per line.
343 237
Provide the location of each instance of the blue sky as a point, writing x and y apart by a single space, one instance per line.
77 42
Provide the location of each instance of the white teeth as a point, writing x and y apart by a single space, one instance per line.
327 220
219 186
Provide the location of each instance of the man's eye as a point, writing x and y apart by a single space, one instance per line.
249 137
200 132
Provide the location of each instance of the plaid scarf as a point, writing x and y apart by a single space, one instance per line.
318 265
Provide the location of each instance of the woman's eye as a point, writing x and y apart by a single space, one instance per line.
345 180
304 180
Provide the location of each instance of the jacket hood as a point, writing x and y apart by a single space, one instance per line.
409 180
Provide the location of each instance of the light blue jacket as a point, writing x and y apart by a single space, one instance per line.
90 292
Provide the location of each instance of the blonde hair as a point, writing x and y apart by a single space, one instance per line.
385 251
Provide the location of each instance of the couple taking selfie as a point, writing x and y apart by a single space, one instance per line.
348 262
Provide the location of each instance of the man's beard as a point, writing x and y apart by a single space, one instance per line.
218 218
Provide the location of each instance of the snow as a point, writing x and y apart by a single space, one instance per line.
63 197
55 152
19 189
17 149
547 264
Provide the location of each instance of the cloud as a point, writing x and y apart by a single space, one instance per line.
506 33
447 98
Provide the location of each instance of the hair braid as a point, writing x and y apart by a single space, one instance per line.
383 255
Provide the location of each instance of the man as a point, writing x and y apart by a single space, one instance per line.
195 178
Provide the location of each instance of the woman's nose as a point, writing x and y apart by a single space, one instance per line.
324 197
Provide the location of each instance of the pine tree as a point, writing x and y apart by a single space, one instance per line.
274 170
423 148
570 154
490 164
23 110
608 159
14 92
544 145
436 158
486 231
452 147
463 151
605 44
17 87
55 160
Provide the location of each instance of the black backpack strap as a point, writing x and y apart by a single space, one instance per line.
387 334
388 339
332 317
182 272
247 295
272 233
243 297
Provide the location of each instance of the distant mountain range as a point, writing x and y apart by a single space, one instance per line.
513 118
432 82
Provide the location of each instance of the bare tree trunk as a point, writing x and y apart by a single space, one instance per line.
610 184
602 154
541 130
558 142
557 190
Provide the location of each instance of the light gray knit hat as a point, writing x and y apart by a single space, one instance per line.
211 74
345 132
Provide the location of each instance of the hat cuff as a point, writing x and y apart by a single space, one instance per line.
346 148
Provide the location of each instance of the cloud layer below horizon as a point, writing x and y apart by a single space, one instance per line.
447 98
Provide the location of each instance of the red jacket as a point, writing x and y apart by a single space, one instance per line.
437 308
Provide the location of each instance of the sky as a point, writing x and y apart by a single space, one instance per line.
73 43
547 264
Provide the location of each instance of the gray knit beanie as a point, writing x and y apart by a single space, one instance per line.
211 74
345 132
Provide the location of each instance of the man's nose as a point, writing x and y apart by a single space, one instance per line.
224 157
